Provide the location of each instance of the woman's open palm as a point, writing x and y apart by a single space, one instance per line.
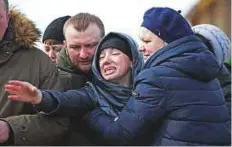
23 91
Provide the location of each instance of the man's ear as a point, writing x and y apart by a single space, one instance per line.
64 44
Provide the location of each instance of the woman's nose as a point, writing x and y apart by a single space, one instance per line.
106 60
142 49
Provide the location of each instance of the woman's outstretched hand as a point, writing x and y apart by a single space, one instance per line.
23 91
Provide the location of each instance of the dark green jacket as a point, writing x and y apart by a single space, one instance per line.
53 130
44 75
20 60
71 78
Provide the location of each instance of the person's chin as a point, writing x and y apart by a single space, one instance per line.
110 77
85 68
54 61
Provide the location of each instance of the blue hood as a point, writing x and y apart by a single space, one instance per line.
188 55
115 96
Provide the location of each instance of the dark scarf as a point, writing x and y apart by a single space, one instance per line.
115 95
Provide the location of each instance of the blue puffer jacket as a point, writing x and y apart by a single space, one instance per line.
106 95
177 101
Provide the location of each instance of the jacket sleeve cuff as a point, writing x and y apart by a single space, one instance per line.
47 105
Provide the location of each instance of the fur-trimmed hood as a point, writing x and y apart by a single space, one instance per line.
23 31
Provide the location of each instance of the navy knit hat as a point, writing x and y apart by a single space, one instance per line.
117 43
166 23
55 29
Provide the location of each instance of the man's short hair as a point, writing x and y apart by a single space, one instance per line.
81 22
6 5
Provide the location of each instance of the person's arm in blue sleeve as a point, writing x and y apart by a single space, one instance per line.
140 113
67 104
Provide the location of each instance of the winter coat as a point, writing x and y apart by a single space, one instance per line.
67 132
79 102
177 101
20 60
218 43
71 78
